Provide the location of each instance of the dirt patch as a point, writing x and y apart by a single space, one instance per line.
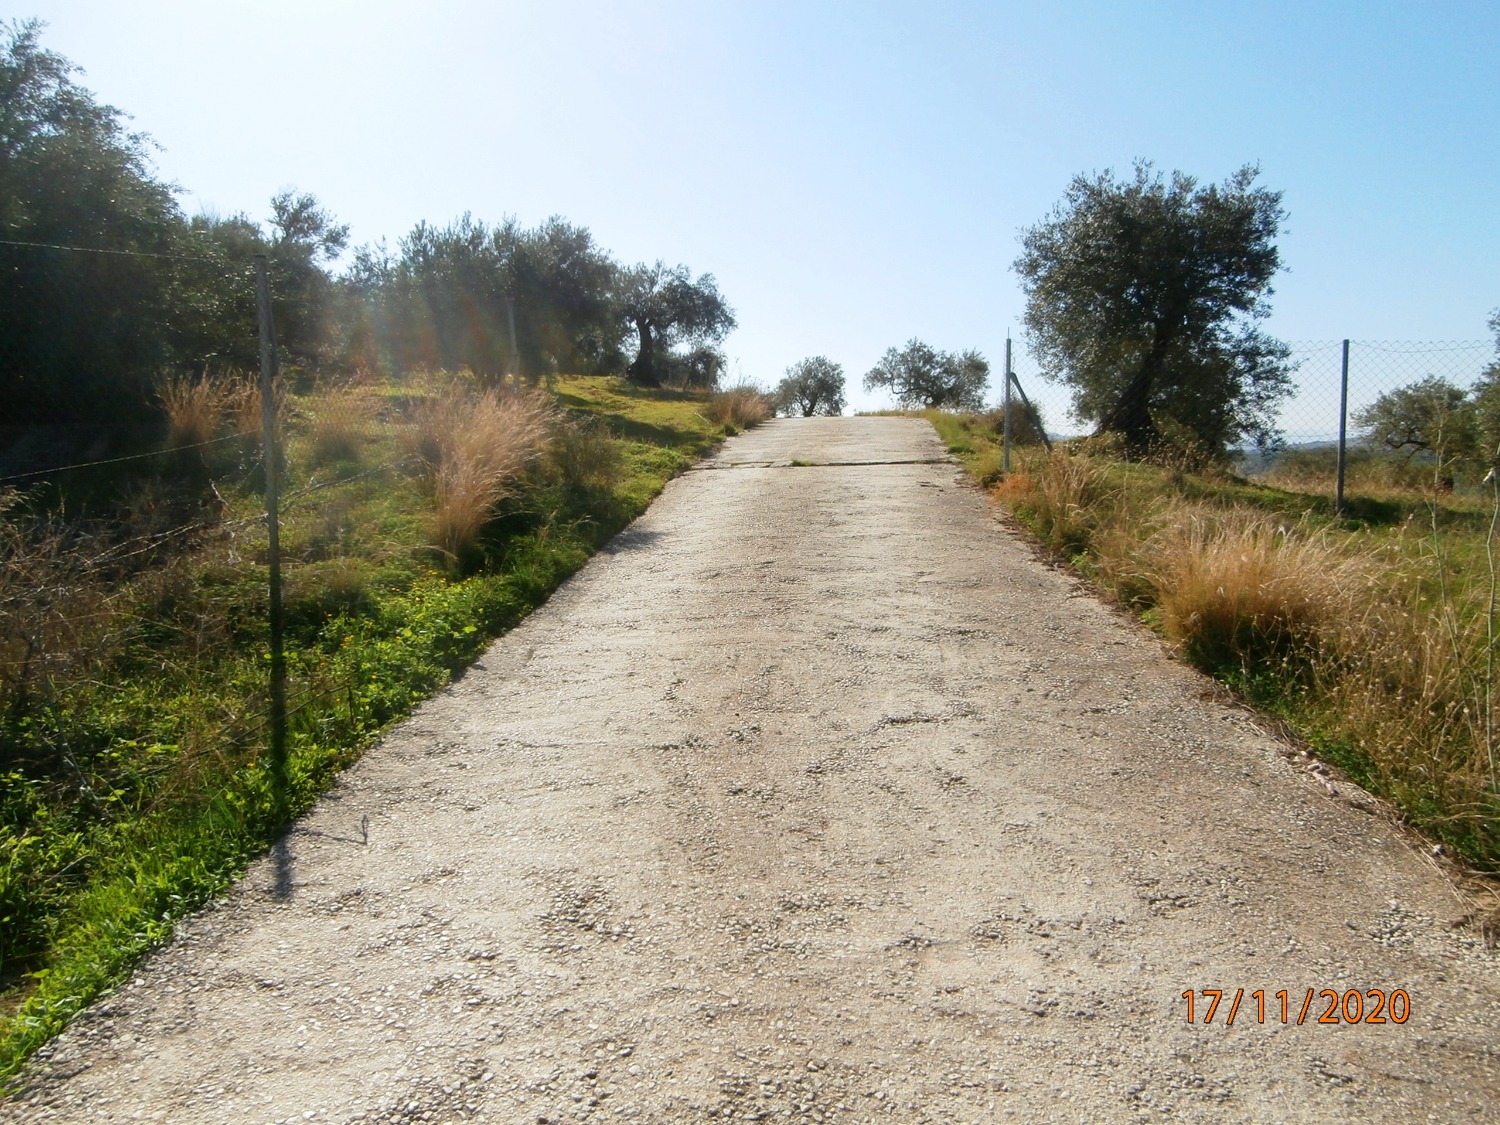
815 798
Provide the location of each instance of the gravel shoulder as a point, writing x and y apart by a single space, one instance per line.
815 797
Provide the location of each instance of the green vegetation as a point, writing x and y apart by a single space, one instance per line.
1143 296
921 377
422 518
811 387
1373 636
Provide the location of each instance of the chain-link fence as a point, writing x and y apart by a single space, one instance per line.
1336 382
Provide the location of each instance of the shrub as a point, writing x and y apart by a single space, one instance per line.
194 408
477 447
738 408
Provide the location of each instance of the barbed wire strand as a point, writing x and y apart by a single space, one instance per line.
118 460
117 253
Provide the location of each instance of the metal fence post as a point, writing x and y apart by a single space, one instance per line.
1338 499
1005 457
1032 412
515 349
268 372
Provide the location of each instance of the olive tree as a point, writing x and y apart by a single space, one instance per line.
667 307
1431 418
1143 296
921 377
812 386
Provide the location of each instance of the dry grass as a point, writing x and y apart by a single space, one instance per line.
199 410
1380 645
1066 496
46 612
1366 473
1238 587
194 409
1416 688
242 407
738 408
477 447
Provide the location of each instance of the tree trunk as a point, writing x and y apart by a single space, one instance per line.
642 371
1131 415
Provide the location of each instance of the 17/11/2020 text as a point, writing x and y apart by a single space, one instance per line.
1372 1005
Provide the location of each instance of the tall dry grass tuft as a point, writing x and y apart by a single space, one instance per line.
1240 591
738 408
1062 496
477 447
242 407
194 410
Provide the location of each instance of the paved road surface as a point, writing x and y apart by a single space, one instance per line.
815 798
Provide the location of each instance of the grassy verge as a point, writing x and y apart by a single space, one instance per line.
1374 636
136 787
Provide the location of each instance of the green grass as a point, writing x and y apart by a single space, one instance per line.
137 789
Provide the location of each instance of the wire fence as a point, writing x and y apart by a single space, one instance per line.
158 521
1324 409
186 475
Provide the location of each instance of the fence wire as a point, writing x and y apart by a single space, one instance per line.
1310 416
180 500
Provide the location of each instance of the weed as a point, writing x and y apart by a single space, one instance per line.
1377 643
738 408
477 447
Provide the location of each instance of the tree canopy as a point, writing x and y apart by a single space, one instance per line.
105 285
1143 296
1432 417
77 327
920 376
494 300
667 307
812 386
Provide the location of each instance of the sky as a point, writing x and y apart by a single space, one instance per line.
852 174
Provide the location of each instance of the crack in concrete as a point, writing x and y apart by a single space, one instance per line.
818 464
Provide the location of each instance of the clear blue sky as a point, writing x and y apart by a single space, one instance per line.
854 174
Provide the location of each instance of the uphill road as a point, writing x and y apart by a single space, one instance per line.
814 797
